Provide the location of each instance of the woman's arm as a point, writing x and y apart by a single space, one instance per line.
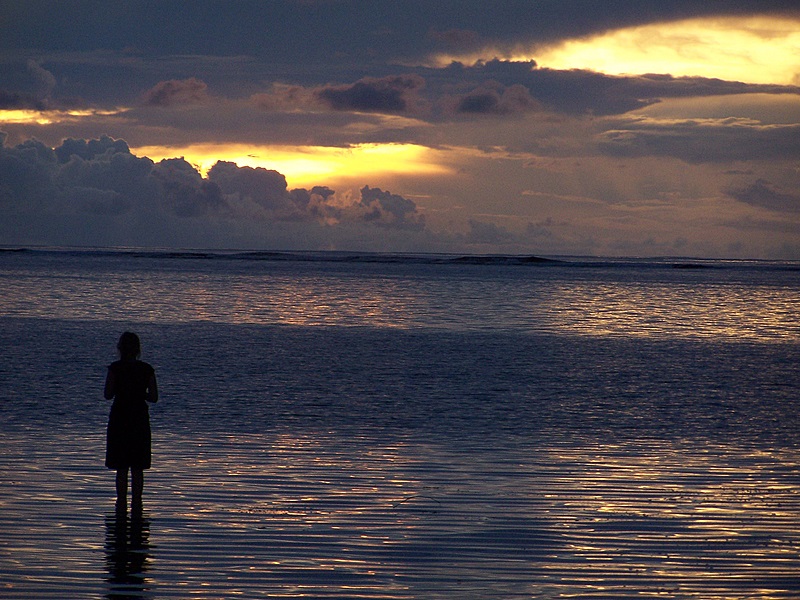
111 384
152 389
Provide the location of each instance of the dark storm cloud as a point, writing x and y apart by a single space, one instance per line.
26 175
767 195
497 87
265 187
699 141
89 149
330 30
20 101
495 98
177 92
459 40
389 210
104 51
39 182
103 188
285 97
110 53
481 232
580 91
314 204
339 73
44 79
392 94
185 191
120 173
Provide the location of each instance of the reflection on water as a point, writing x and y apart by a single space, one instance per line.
671 308
480 434
620 301
342 517
127 555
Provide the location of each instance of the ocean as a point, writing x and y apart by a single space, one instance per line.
349 425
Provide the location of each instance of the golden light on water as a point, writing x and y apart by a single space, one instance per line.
308 165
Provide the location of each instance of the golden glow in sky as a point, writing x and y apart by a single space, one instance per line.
47 117
752 50
763 49
306 166
25 116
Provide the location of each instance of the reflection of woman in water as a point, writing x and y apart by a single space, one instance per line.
132 384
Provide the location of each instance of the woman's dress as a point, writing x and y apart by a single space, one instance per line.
128 433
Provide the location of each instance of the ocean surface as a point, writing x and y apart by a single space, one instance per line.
337 425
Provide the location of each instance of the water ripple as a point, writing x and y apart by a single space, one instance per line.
631 301
327 516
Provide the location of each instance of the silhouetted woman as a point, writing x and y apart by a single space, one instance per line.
132 384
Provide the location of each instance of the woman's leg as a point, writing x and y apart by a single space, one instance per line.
137 484
122 488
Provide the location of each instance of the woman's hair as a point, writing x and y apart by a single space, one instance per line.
129 345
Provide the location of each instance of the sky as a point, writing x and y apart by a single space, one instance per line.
544 127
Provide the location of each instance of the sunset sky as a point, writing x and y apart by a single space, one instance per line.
550 127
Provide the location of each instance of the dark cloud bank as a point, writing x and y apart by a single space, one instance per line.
494 87
96 192
254 70
325 32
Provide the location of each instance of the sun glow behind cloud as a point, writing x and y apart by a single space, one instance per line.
757 49
48 117
751 50
306 166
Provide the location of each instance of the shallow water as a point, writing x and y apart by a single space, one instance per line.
333 430
328 516
754 301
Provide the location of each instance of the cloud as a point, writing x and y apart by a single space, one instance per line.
481 232
392 94
20 101
389 210
500 87
177 92
265 187
286 97
89 149
96 191
495 98
457 40
315 204
102 177
354 103
26 174
45 80
767 195
40 99
703 140
583 91
185 190
334 27
339 40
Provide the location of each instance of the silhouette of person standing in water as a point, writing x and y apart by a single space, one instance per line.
132 384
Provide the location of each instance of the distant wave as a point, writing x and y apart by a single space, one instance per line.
412 258
298 256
